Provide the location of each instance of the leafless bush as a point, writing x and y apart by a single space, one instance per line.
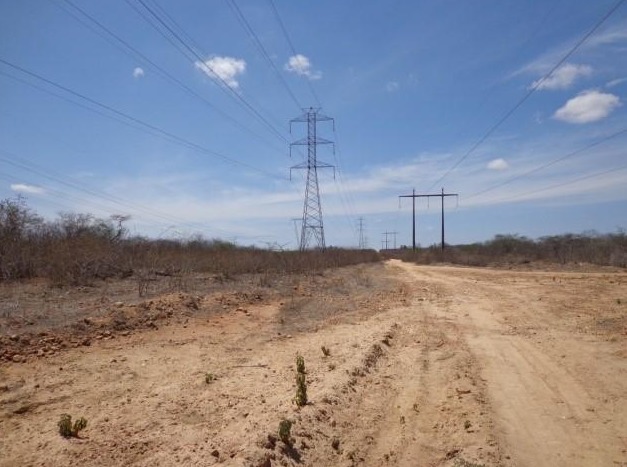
77 249
589 247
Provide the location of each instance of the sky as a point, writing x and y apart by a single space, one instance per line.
177 113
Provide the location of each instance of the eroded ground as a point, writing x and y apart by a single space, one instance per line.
428 366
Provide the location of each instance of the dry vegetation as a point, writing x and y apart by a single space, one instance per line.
507 250
183 352
78 249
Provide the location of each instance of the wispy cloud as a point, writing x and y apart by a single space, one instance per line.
392 86
615 82
588 106
301 65
28 189
563 77
226 69
612 36
138 72
498 164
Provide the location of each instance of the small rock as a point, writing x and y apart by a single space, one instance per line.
335 444
86 342
14 337
215 453
17 358
119 304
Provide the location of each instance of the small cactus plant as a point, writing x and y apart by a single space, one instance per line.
67 430
301 382
285 430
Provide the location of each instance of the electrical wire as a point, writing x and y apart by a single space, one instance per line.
292 48
529 93
139 124
548 164
558 185
123 45
196 57
49 174
261 49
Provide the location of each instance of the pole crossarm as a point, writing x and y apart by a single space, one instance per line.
441 195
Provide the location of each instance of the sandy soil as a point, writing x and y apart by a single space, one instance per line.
428 366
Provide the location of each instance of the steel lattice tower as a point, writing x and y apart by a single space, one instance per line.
312 225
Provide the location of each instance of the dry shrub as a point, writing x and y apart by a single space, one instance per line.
77 249
589 247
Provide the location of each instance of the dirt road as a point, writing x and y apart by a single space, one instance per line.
457 367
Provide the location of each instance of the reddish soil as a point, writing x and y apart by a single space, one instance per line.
428 366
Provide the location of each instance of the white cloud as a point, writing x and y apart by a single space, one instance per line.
226 69
498 164
301 65
604 44
24 188
616 34
587 106
563 77
138 72
615 82
392 86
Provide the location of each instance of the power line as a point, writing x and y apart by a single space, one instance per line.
261 49
131 51
292 48
49 174
345 196
558 185
548 164
140 124
532 90
225 87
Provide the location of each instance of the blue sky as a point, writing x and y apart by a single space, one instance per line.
413 86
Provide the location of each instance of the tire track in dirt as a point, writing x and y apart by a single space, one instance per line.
424 402
544 414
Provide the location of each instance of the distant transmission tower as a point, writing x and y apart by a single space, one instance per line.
362 239
312 225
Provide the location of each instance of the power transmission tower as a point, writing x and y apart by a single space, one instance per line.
441 195
312 225
362 239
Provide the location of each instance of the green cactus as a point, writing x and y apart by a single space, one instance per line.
285 428
67 430
301 382
300 364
